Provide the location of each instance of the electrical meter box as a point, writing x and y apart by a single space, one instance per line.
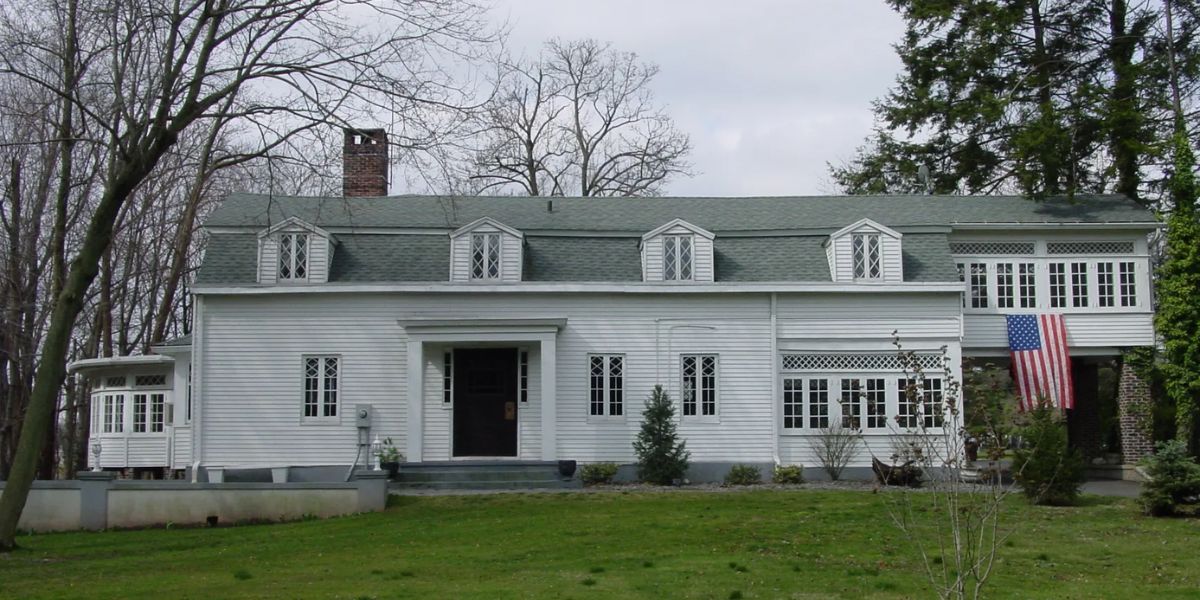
362 415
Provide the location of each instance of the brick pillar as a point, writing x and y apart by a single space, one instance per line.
364 162
1083 421
1134 406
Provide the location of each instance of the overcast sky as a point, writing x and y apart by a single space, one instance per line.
768 90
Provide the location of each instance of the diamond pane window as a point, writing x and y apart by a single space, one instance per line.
293 256
866 255
699 385
678 255
607 385
485 256
321 381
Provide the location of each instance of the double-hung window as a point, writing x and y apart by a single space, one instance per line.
699 385
1079 284
448 378
1106 295
678 253
866 254
1128 283
1005 290
1027 284
606 385
1058 285
293 256
523 376
485 256
322 381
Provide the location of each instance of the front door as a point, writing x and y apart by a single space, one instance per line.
485 402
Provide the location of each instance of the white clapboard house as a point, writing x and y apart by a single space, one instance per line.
533 329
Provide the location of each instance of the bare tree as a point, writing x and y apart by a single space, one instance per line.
580 120
131 77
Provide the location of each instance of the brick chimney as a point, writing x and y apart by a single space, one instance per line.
365 162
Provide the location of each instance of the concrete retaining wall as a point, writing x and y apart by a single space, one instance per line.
98 501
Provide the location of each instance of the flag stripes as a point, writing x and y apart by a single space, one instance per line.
1041 361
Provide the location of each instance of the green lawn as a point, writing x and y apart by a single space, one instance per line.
755 544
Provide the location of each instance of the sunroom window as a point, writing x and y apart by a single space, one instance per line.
867 261
485 256
677 258
293 256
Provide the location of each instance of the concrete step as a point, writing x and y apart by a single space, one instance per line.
504 474
541 484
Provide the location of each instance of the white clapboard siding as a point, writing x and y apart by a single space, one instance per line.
841 254
182 445
1106 330
835 317
702 252
510 253
319 256
253 348
148 450
804 450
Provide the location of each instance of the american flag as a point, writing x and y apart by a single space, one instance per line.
1041 363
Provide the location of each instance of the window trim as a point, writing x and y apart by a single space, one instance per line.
607 389
699 402
319 419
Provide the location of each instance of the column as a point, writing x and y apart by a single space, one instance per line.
1083 421
1134 409
416 400
549 357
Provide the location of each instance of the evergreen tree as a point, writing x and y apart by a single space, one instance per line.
1040 97
662 457
1178 287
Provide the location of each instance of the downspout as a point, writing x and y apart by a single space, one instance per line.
776 404
197 382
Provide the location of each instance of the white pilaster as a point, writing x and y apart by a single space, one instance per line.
416 385
549 355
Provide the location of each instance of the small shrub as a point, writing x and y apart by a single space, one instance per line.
836 446
662 457
1174 480
788 474
598 473
743 475
1048 470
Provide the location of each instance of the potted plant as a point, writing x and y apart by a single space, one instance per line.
389 458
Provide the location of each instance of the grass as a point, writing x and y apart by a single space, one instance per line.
745 544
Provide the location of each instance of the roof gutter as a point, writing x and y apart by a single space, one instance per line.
574 288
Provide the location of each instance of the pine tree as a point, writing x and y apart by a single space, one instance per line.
1178 287
662 457
1012 96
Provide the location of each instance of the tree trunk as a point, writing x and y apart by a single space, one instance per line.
1124 117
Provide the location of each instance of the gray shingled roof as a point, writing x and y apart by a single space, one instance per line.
644 214
787 245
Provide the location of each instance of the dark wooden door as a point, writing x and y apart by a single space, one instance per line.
485 402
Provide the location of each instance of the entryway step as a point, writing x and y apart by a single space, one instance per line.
539 484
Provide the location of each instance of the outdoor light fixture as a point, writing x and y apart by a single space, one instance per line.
376 448
96 448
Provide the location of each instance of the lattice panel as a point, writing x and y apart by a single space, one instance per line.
149 380
991 248
857 362
1089 247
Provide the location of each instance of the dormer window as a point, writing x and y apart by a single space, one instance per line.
867 262
485 256
677 258
293 257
